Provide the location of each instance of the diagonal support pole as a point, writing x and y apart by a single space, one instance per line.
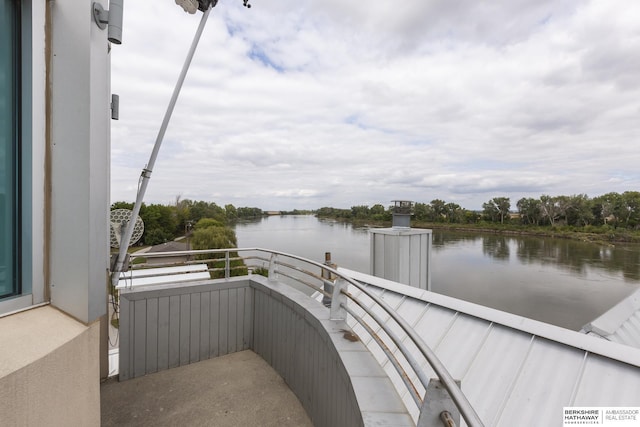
146 172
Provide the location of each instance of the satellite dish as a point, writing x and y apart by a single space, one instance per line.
119 219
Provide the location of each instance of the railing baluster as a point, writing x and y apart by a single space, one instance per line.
339 300
226 265
273 275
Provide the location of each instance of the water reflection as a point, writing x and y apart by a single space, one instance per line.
570 255
496 247
563 282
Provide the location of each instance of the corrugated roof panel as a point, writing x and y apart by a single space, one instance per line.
494 369
434 325
606 382
413 310
543 386
462 343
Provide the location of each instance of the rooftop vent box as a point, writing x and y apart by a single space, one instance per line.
401 253
402 210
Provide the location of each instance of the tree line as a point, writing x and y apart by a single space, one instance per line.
611 210
163 223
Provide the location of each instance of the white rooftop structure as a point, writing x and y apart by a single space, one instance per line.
620 324
160 275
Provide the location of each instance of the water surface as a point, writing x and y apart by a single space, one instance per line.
563 282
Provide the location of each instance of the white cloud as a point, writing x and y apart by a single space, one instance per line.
302 104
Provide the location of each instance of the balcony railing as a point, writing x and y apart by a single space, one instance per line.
365 308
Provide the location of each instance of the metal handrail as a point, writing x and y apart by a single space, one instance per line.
462 403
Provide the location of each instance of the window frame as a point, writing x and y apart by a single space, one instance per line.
29 160
12 156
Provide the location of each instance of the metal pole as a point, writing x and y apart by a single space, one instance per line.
326 301
146 172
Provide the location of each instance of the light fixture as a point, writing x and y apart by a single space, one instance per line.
189 6
112 17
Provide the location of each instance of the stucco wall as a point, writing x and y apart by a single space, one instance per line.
49 370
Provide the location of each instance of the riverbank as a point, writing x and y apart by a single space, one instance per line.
601 235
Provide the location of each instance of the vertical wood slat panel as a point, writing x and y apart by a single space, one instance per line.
163 333
174 331
299 355
240 319
224 323
185 328
194 329
205 325
139 337
282 338
214 330
247 337
152 336
275 342
125 342
231 320
258 336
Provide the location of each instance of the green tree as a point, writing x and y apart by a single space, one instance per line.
201 210
246 212
214 237
579 211
231 212
160 223
497 208
122 205
379 213
438 210
605 207
629 210
206 223
550 208
453 213
529 209
360 212
504 205
471 217
422 212
182 214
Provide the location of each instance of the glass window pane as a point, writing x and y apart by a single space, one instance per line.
9 143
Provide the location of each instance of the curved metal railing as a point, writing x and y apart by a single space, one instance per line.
296 269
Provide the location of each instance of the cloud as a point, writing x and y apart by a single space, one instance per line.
302 104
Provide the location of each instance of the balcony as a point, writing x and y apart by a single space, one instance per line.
184 334
356 349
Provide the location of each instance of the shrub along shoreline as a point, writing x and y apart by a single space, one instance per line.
606 235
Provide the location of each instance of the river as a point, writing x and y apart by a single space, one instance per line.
563 282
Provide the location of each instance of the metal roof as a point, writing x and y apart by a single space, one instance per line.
160 275
620 324
514 370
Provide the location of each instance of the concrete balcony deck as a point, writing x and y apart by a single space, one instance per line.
232 390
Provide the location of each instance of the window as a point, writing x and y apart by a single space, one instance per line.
10 148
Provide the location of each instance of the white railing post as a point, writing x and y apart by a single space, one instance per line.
227 268
273 275
338 300
327 277
438 409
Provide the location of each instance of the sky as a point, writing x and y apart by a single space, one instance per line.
300 104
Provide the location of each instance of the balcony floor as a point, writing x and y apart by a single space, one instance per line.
232 390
